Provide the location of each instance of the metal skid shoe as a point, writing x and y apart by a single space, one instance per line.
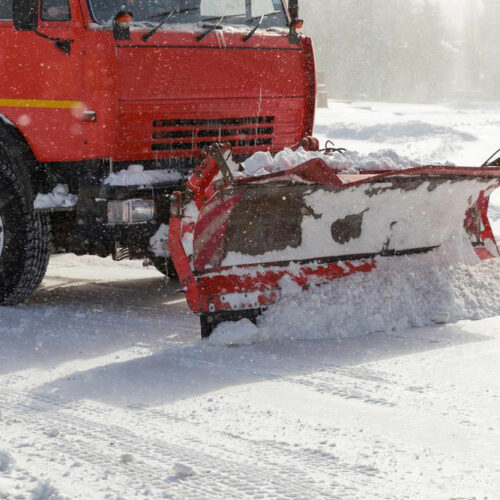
209 321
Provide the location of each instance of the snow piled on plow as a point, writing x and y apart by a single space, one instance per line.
263 163
402 293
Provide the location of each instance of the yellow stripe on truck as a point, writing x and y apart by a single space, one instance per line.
40 103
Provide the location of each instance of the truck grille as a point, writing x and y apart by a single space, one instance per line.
194 134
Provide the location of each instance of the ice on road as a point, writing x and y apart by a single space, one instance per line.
106 391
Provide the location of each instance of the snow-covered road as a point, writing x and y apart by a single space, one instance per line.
106 390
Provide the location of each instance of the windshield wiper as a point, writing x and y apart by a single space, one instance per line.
209 30
215 26
164 17
259 22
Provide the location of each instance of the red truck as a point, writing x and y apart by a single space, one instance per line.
89 89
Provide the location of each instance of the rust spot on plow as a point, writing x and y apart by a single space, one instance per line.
266 221
347 229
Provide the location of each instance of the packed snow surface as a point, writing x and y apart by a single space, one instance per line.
135 175
105 384
60 197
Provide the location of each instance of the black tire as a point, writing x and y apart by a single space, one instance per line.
26 236
165 266
210 321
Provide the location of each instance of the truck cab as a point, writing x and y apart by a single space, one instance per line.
107 105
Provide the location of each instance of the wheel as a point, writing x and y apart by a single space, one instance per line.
165 266
210 321
24 235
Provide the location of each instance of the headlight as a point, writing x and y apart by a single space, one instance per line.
130 211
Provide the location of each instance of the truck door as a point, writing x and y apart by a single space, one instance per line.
40 83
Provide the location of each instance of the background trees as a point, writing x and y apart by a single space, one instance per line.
402 50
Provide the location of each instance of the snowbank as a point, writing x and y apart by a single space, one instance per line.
389 132
135 175
262 163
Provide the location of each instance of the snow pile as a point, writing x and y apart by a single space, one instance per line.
158 243
52 432
443 286
389 132
135 175
59 198
263 163
234 333
402 293
182 471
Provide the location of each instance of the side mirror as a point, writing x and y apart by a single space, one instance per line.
295 22
25 14
121 25
293 9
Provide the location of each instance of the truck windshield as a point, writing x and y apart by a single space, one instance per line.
242 12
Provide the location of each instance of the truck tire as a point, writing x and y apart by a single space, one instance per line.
25 236
165 266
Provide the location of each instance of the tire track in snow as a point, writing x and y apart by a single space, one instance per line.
302 461
230 478
333 380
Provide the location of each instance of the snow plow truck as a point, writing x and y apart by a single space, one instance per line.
106 106
117 121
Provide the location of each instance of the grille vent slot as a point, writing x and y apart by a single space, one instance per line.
186 134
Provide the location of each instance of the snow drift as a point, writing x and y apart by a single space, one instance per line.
402 293
389 132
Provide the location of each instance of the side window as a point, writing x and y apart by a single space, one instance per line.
54 10
5 9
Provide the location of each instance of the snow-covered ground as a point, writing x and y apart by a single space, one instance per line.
106 391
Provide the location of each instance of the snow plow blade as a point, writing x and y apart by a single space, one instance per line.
234 241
